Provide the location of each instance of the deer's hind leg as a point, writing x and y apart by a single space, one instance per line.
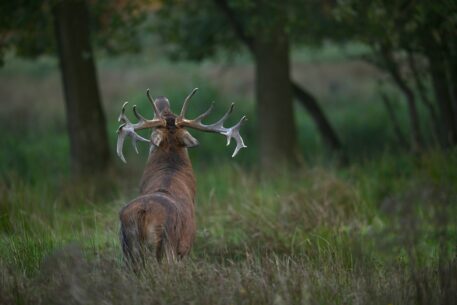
166 249
131 246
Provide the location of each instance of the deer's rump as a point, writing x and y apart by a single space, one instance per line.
156 223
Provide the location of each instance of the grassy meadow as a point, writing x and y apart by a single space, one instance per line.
381 230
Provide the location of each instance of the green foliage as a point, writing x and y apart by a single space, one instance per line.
118 26
197 30
193 30
400 24
27 27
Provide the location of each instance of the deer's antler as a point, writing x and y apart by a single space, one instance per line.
218 127
127 128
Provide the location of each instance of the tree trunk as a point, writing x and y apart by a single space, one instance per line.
443 98
449 63
311 105
85 118
421 89
394 70
395 124
436 54
276 124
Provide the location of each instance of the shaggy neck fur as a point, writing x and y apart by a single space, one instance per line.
169 170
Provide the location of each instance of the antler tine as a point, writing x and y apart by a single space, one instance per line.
220 123
138 115
122 117
123 132
234 132
218 127
135 138
186 103
156 111
127 128
120 143
205 114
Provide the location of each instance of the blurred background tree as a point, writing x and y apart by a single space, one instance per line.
85 117
34 28
415 42
200 30
411 42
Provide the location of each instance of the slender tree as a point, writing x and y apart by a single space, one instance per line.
393 68
85 118
424 31
276 126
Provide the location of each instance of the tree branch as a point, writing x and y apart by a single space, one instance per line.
423 91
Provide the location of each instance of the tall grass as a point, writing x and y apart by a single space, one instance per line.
380 231
365 234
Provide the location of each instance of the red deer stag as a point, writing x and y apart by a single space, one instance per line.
161 219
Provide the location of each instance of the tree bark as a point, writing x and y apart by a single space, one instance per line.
277 129
89 150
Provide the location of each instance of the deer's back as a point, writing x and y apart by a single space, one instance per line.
159 220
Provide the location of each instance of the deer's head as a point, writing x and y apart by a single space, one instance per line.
169 129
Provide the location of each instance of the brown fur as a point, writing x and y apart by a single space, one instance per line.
162 218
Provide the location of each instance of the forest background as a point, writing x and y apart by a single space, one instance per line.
345 194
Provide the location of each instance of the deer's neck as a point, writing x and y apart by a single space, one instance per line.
169 170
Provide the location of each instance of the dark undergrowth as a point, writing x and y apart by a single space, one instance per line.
378 232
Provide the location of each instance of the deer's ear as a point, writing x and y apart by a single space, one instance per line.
156 138
188 140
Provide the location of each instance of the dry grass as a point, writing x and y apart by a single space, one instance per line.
309 237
